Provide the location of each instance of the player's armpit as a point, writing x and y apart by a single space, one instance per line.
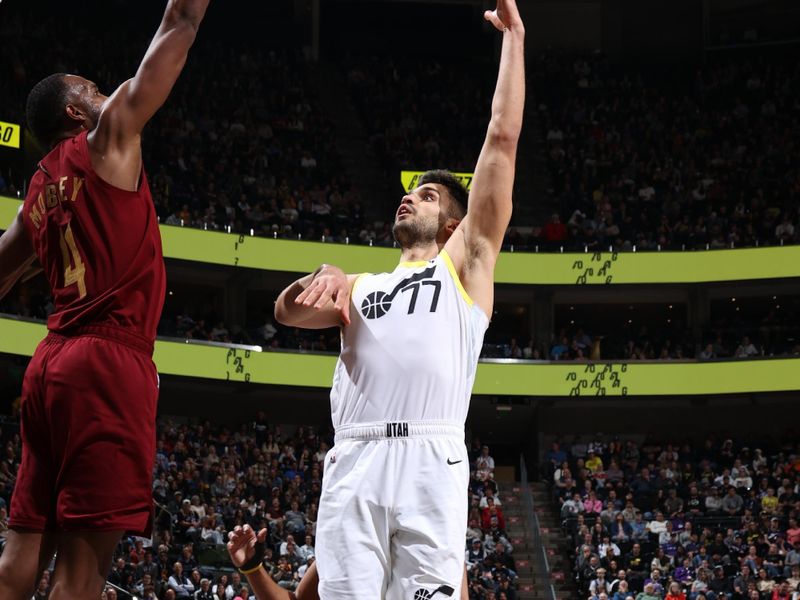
490 199
475 245
16 254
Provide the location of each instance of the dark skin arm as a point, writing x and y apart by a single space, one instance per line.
115 143
241 547
16 255
115 140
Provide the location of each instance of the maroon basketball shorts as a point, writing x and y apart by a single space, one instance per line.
88 435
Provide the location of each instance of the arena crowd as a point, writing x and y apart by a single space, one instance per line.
208 479
661 519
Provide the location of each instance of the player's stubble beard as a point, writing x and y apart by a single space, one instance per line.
416 231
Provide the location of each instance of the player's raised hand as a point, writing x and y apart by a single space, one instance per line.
329 284
505 17
242 544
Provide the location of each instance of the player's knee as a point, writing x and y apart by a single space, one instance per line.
16 582
77 586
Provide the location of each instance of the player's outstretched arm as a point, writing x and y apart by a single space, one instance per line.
316 301
115 143
475 245
138 99
16 254
241 547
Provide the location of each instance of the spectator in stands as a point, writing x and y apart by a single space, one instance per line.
484 463
492 512
592 505
746 349
784 232
675 592
560 350
673 505
594 462
555 457
720 584
764 583
794 579
622 592
554 232
713 502
649 593
489 494
500 558
599 583
476 553
732 503
179 583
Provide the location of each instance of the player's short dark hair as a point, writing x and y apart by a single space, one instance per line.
458 193
44 110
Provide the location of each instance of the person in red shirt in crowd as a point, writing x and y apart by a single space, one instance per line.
793 533
89 394
782 592
492 510
675 592
555 230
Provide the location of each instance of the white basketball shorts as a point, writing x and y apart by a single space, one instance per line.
393 512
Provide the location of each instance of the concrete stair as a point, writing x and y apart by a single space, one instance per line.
556 544
534 580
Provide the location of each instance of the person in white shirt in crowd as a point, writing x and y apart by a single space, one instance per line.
484 463
489 492
746 349
307 549
657 525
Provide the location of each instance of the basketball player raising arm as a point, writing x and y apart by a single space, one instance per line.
322 299
89 219
392 514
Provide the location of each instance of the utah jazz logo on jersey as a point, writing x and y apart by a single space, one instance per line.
377 304
423 594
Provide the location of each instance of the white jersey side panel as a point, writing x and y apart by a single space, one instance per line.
412 348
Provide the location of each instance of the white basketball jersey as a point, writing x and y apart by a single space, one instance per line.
411 349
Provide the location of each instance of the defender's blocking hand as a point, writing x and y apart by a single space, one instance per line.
242 543
505 17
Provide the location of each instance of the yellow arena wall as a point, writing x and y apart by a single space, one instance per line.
521 268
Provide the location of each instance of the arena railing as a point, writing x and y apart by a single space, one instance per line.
506 377
535 530
582 268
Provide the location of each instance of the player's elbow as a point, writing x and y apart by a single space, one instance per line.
287 314
503 134
282 314
186 14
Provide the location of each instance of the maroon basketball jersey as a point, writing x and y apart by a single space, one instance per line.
99 245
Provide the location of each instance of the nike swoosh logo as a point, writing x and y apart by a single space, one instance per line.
453 462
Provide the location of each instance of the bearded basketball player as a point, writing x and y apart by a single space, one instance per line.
393 510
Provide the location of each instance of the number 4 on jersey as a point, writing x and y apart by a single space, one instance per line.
74 269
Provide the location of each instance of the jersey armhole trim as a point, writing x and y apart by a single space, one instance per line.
356 282
454 274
